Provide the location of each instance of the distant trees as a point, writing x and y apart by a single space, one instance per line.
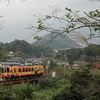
89 54
41 51
3 55
23 49
20 46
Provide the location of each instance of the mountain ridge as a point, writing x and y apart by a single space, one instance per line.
59 42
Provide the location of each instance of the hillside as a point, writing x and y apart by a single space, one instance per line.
57 43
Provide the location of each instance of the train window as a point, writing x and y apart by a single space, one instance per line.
24 69
2 70
14 70
19 69
32 69
7 69
27 69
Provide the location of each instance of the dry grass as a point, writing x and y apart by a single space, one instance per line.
95 71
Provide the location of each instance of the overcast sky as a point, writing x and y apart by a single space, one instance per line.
18 15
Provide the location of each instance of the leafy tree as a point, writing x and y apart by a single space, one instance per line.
38 50
81 77
20 46
21 54
5 93
68 92
52 63
23 92
3 55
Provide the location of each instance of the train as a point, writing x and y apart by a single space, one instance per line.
11 73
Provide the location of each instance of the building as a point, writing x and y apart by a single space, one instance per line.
9 64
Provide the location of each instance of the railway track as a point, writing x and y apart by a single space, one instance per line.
24 80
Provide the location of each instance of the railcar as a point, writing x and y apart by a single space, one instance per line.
10 73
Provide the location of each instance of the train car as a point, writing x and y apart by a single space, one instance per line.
10 73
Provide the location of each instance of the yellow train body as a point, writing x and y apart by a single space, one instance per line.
22 71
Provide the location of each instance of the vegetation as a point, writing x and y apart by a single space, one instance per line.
23 49
88 54
20 46
3 55
80 85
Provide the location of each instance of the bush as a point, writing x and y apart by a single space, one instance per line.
46 83
68 92
81 77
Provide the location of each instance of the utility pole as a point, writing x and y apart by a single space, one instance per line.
65 63
42 56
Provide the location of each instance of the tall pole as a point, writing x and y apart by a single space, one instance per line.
82 57
42 57
61 58
65 63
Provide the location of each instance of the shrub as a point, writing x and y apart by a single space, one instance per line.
46 83
68 92
81 77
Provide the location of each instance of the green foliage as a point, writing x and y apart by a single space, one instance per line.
52 63
37 38
21 54
3 55
40 26
20 46
39 49
68 9
84 86
95 13
5 93
48 16
81 77
23 92
46 83
58 88
68 92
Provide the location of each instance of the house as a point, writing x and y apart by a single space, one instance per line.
75 66
9 64
33 61
11 54
29 61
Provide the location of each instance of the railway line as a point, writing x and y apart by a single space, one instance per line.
25 80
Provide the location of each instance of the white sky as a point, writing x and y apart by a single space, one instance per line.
18 15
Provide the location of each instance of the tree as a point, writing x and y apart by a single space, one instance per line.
20 46
3 55
71 22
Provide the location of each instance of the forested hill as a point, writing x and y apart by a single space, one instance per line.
57 43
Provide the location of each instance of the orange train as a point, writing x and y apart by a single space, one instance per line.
10 73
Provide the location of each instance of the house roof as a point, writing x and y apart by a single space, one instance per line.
10 63
76 65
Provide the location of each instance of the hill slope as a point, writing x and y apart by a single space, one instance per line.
57 43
